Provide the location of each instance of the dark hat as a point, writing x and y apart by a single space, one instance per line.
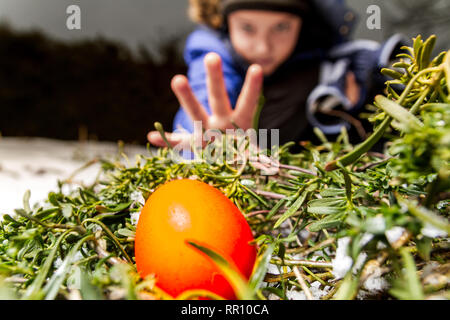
299 7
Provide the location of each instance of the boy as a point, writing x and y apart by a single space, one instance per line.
296 52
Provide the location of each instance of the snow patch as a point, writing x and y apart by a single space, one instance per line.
36 164
342 262
134 217
394 234
315 290
432 232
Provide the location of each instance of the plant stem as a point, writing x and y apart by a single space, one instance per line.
294 168
311 264
302 282
111 235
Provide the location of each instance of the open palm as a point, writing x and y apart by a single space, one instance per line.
222 114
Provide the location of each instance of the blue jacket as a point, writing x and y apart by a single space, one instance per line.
334 56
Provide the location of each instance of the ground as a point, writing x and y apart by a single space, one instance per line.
36 164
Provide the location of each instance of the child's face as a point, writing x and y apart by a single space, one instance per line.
267 38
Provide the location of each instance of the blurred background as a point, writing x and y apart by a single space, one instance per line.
110 80
68 97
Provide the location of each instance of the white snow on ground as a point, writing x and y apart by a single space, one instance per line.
136 196
394 234
315 290
36 164
342 262
433 232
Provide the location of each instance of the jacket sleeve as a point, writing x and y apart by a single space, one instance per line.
198 44
365 58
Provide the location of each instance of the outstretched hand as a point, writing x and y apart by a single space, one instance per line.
222 114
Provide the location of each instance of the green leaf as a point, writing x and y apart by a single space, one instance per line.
124 274
276 208
253 194
424 247
435 107
120 207
44 214
126 232
34 290
332 192
26 201
328 202
53 285
447 70
292 209
160 129
89 291
417 45
261 102
326 210
7 292
392 92
276 291
401 64
408 286
391 73
8 218
405 56
53 199
326 223
439 59
260 268
362 148
235 278
348 185
428 47
348 288
399 113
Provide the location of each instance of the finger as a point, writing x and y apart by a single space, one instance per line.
182 89
247 103
352 88
217 92
155 138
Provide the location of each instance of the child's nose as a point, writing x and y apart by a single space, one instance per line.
263 47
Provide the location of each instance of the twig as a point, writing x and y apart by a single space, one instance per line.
111 236
269 194
371 165
313 275
302 282
318 246
294 168
307 263
377 155
255 213
331 293
347 117
269 277
105 254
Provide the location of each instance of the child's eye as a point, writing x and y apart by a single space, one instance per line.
281 27
247 28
